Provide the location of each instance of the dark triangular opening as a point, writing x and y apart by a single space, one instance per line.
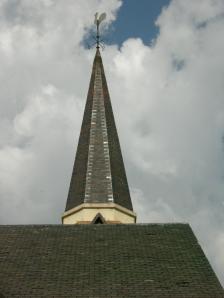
98 220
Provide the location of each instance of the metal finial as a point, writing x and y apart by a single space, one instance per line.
97 21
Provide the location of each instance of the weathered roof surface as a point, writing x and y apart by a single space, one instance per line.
98 174
148 260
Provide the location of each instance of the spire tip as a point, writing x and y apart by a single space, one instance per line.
98 20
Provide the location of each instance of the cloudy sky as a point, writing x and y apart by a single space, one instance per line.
166 82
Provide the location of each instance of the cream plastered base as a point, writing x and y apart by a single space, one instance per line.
86 212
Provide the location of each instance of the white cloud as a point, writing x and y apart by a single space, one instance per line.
172 128
167 100
44 77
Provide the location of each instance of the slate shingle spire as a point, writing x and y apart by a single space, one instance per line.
98 177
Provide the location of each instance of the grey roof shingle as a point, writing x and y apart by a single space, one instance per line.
149 260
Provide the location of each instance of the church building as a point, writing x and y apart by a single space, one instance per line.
99 250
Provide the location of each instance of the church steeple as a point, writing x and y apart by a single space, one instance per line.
98 183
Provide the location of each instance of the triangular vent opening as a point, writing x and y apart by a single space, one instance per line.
98 220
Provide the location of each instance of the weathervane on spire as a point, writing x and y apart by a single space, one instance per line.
98 20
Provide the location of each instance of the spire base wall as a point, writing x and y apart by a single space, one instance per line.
86 212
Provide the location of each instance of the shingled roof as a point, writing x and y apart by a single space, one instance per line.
98 174
143 260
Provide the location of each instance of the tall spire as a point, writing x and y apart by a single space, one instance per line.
98 180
